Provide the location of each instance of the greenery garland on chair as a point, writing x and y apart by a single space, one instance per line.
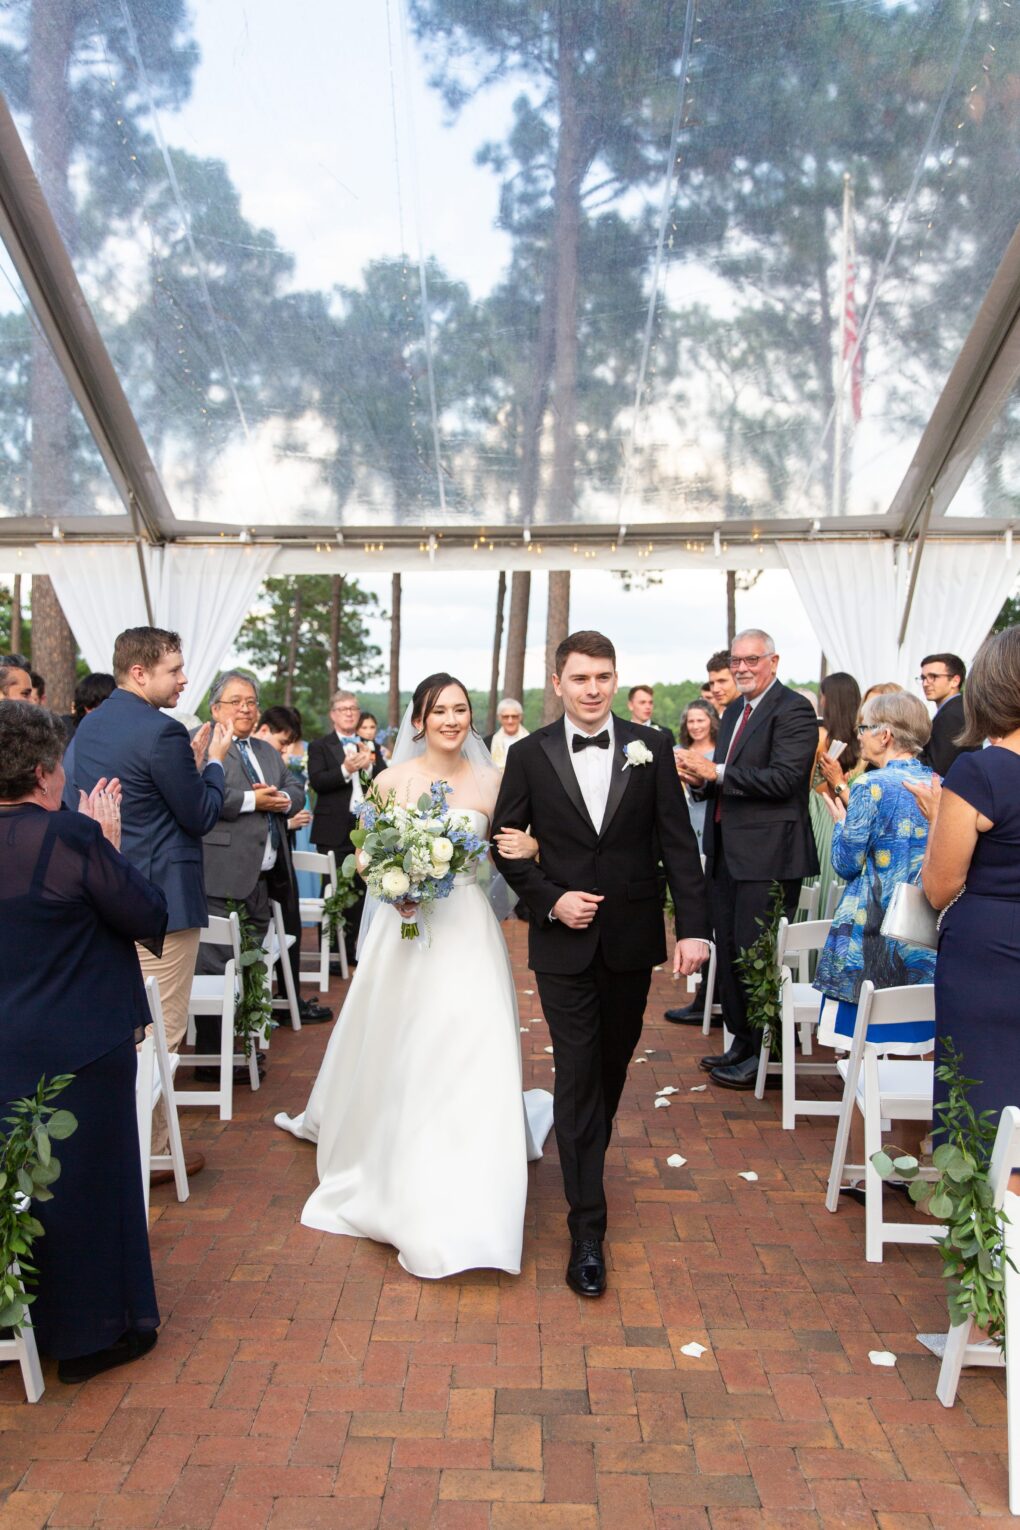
27 1170
253 1014
957 1191
344 896
757 970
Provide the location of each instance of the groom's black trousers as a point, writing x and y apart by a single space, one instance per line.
594 1019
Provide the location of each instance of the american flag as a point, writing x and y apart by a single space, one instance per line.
850 331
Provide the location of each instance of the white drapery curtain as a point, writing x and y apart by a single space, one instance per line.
854 593
960 591
204 593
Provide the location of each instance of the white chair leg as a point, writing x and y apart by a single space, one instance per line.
284 960
1011 1207
143 1110
873 1208
806 1030
24 1351
789 1034
706 1024
952 1363
227 1060
841 1144
763 1064
31 1370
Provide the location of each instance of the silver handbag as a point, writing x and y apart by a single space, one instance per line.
911 918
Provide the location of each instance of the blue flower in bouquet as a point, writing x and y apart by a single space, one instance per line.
412 853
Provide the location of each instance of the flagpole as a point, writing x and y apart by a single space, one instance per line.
837 456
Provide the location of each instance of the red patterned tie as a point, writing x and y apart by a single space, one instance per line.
741 725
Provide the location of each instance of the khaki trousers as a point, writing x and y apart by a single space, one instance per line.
173 972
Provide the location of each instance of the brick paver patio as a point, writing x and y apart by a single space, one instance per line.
304 1381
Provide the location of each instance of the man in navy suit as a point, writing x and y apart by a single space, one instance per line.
166 806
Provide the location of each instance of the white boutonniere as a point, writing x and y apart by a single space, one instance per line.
637 753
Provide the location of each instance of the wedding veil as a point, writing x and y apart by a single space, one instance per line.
487 778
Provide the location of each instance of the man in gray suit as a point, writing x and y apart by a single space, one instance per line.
246 853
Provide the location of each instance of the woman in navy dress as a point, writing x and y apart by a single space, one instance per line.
72 1001
972 870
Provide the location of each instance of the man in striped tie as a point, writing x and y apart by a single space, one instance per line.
757 830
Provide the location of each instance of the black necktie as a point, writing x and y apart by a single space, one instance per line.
582 741
248 766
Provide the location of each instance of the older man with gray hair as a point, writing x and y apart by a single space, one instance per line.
757 828
246 854
511 730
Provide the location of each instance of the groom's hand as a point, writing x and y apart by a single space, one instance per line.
689 956
577 909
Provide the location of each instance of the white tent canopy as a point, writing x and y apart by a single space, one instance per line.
295 464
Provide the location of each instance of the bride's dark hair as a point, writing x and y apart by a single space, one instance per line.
423 702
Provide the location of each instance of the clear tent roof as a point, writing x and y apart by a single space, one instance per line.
482 262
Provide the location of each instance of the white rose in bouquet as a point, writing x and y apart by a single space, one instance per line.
395 883
442 851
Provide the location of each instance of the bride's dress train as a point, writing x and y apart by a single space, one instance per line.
423 1135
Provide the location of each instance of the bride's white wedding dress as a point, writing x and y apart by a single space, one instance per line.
423 1135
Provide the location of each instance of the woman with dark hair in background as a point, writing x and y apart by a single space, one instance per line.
839 705
422 1133
972 872
66 891
699 729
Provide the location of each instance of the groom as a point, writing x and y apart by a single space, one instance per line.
603 799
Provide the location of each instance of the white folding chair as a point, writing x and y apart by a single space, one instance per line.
807 903
832 897
956 1347
165 1064
21 1347
800 1004
313 912
884 1089
277 943
216 994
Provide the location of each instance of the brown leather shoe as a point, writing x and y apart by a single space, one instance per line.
194 1163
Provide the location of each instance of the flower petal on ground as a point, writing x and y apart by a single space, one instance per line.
693 1349
675 1161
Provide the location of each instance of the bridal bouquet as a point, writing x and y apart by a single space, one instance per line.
412 854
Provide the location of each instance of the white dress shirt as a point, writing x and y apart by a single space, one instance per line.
593 768
353 776
248 802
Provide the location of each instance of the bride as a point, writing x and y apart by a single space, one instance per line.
423 1135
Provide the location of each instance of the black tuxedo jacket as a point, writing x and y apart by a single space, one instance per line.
765 790
646 817
333 820
947 724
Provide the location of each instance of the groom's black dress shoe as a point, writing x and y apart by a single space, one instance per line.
742 1075
738 1051
586 1272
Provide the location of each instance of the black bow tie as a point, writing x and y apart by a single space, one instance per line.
582 741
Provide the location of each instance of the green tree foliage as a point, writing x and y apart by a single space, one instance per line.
267 639
1009 616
